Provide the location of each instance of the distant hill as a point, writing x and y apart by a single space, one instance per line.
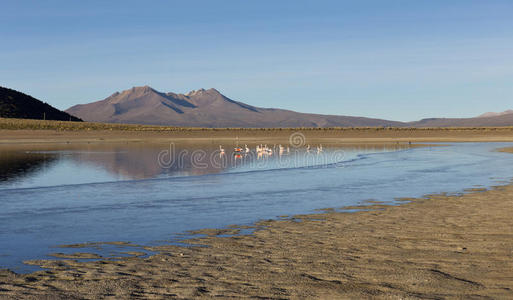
481 121
495 114
204 108
14 104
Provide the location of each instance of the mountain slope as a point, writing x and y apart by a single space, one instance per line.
209 108
14 104
204 108
495 114
492 121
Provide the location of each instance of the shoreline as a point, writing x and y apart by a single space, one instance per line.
25 131
338 136
432 247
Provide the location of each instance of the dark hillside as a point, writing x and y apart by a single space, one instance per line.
14 104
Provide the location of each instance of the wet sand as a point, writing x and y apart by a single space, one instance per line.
435 247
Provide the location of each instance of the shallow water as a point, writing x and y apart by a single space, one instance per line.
150 194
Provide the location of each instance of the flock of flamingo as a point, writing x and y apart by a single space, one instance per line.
261 150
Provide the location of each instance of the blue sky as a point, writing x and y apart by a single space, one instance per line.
401 60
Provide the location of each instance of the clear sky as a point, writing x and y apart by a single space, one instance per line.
402 60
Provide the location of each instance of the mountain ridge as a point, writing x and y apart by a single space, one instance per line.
204 108
495 114
210 108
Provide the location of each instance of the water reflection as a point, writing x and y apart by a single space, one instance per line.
14 165
149 212
48 165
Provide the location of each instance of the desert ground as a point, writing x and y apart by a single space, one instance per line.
438 246
36 131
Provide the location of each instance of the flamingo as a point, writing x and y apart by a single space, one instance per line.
308 148
319 148
247 149
221 150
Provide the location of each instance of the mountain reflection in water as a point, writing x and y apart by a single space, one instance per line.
47 165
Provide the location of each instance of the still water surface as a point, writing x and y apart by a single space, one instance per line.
151 194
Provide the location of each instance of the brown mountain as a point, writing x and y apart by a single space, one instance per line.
204 108
495 114
480 121
209 108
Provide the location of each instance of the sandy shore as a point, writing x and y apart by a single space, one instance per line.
435 247
312 135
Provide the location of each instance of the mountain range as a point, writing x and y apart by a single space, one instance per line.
203 108
14 104
210 108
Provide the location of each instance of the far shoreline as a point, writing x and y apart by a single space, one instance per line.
20 131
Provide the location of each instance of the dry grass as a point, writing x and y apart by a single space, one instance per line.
28 124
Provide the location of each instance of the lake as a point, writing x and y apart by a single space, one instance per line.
149 194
